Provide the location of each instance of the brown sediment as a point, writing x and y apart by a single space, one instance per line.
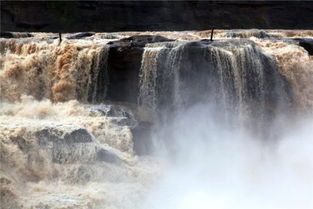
37 66
44 88
22 118
45 70
27 160
297 66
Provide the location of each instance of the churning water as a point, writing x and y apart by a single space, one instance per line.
228 123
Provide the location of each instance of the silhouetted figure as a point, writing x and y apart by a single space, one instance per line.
212 34
60 38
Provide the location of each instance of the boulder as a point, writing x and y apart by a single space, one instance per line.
119 115
80 35
76 145
124 62
307 44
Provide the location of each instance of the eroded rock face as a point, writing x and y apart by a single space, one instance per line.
149 15
59 159
15 35
307 44
36 149
55 145
71 143
80 35
138 41
124 62
47 135
77 145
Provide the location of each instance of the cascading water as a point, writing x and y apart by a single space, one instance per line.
212 164
226 119
43 70
235 76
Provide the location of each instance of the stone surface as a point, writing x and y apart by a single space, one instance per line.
80 35
74 16
55 136
76 145
15 35
124 62
307 44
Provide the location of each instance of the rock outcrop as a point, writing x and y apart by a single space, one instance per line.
78 16
124 62
307 44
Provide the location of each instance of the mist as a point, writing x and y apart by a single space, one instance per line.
210 163
157 120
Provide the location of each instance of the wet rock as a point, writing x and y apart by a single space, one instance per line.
54 135
45 137
6 35
206 41
125 122
76 145
109 110
117 112
80 35
15 35
307 44
138 41
79 135
82 153
73 152
122 117
119 115
247 34
124 62
107 156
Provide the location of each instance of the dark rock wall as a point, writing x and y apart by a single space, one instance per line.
124 62
73 16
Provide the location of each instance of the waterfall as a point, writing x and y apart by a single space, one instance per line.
73 70
232 75
156 120
156 84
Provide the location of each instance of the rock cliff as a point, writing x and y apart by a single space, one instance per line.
71 16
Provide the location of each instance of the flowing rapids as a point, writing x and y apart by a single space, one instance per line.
43 70
157 120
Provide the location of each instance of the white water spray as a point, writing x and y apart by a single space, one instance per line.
212 166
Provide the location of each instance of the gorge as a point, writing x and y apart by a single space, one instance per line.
166 119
